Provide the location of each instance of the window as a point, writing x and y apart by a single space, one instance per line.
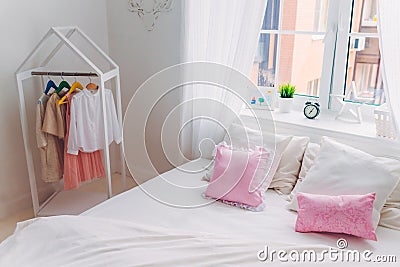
357 70
363 60
291 46
297 45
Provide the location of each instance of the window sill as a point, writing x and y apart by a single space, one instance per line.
295 123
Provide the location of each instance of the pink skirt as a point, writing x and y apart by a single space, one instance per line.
83 167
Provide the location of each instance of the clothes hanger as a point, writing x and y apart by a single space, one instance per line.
50 84
74 86
91 86
64 84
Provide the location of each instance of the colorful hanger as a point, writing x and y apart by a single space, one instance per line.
74 86
50 84
62 85
91 86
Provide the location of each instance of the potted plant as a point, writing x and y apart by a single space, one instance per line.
286 91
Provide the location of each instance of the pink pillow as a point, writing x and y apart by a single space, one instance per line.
348 214
235 173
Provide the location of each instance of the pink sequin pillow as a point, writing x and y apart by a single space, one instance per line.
236 172
347 214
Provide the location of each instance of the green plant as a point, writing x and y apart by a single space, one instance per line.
287 90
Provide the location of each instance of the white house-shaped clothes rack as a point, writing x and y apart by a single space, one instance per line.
69 202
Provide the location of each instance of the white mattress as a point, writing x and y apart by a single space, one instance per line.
273 225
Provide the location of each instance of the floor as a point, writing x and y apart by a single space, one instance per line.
7 226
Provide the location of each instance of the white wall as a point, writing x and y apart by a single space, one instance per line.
140 54
22 24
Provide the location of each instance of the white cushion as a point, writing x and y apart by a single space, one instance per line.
308 160
342 170
393 200
390 217
289 166
209 172
390 214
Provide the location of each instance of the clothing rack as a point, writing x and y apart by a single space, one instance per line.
64 74
55 204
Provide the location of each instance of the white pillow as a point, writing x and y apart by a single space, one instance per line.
289 167
390 214
390 217
209 172
393 200
308 160
342 170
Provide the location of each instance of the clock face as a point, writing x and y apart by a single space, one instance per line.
311 111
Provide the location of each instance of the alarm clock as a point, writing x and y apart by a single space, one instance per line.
311 110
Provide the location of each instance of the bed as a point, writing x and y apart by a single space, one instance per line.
133 229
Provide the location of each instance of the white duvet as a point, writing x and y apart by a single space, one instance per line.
133 229
85 241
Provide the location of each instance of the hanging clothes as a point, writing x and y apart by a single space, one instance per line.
50 133
86 122
83 167
41 137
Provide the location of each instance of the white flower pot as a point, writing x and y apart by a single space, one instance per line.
285 105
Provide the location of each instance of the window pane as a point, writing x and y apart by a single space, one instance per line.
363 78
305 15
301 15
263 73
271 17
301 62
364 81
364 16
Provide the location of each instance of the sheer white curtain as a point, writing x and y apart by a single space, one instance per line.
225 32
389 34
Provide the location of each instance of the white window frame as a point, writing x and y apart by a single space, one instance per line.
334 67
329 51
340 63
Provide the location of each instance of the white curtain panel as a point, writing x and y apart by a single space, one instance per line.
389 33
224 32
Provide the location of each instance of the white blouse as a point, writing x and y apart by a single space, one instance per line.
86 122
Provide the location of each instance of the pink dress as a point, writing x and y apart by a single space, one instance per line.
83 167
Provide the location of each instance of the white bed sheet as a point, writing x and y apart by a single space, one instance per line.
135 230
274 224
82 241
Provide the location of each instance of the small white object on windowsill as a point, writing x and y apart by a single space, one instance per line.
384 123
285 105
352 108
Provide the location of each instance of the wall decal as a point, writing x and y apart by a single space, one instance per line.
149 10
